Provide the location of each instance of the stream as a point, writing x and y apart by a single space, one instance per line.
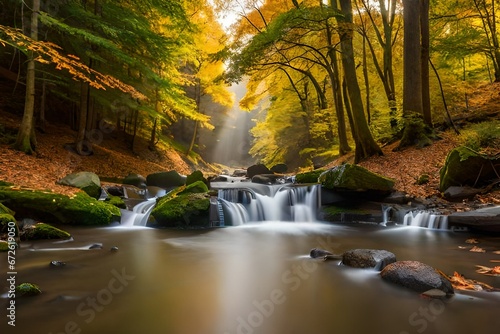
253 278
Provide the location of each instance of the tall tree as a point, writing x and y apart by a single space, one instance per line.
26 140
365 143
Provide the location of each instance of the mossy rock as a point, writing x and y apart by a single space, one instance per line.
116 201
86 181
4 209
79 209
5 219
183 210
354 178
193 188
166 180
4 246
27 290
41 231
465 167
309 177
136 180
194 177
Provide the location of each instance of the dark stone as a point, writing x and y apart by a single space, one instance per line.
319 253
257 169
57 264
114 249
96 246
455 193
355 178
464 166
86 181
279 168
368 258
265 178
239 172
166 180
115 191
416 276
135 180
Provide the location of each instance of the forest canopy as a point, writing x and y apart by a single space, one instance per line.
323 78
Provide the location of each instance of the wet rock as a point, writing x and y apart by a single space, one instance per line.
257 169
115 191
239 172
183 210
57 264
416 276
86 181
193 188
323 254
96 246
455 193
166 180
114 249
354 178
135 180
309 177
27 289
368 258
266 178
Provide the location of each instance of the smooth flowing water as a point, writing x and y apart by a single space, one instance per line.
253 278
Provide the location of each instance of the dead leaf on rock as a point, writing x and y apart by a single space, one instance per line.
459 282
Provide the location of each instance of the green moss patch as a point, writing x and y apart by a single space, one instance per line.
40 231
79 209
27 289
183 210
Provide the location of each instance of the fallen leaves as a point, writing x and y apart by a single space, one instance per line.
477 250
495 271
459 282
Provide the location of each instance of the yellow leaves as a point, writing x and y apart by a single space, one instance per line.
459 282
495 271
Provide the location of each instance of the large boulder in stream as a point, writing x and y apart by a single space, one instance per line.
354 178
185 207
466 167
416 276
78 209
166 180
257 169
368 258
86 181
41 231
135 180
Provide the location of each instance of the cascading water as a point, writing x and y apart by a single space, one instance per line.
244 204
139 214
426 219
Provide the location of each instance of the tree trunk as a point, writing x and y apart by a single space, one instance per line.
83 146
26 140
152 139
424 29
367 145
414 127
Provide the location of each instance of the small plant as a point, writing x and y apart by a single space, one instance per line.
482 136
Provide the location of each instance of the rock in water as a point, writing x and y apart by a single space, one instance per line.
87 181
368 258
416 276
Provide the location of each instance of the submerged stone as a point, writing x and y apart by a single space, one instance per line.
355 178
86 181
368 258
27 289
416 276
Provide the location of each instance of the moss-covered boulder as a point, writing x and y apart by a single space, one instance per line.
86 181
7 220
184 209
4 209
116 201
79 209
466 167
41 231
196 176
27 290
309 177
354 178
4 246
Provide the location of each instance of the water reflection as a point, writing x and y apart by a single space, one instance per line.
251 279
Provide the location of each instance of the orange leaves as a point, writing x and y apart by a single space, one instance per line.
459 282
50 53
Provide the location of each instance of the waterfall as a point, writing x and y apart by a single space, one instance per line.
426 219
139 214
245 204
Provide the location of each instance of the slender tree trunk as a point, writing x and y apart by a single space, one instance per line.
152 139
424 29
26 140
367 145
83 146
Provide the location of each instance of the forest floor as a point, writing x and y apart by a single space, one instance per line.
113 159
